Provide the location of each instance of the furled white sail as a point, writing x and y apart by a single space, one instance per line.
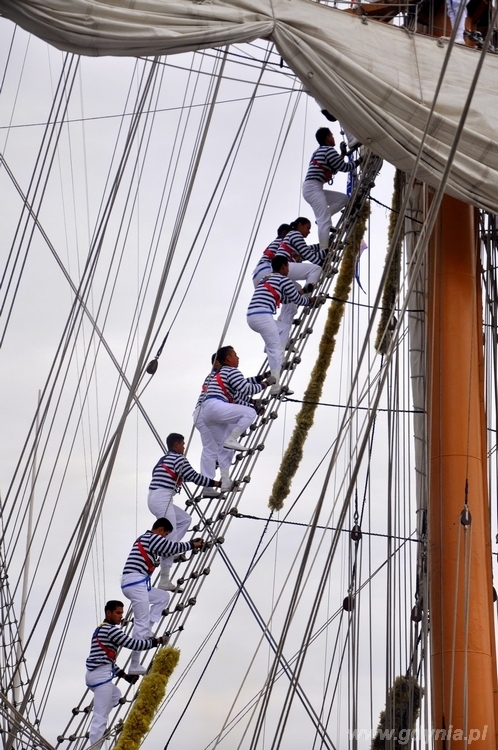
379 80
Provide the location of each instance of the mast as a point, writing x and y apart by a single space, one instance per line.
463 663
463 654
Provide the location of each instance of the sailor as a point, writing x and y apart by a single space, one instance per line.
295 249
264 263
452 8
101 665
209 455
324 164
148 602
269 294
168 474
226 418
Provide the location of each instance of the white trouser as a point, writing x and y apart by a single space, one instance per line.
268 328
452 7
325 203
289 309
160 504
221 418
309 272
147 605
211 451
260 272
105 696
209 454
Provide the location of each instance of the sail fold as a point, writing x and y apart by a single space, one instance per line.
378 79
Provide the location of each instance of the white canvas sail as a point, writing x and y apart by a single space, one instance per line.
343 61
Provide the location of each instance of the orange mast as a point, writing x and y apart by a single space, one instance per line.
463 663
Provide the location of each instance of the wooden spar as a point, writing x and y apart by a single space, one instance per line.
463 663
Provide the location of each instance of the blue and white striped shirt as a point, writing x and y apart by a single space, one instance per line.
325 163
267 257
295 249
154 546
113 638
202 394
245 399
173 469
235 386
264 301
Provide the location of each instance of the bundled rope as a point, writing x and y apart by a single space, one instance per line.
150 695
397 722
391 287
306 416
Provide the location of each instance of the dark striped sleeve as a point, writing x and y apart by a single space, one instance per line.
119 638
290 293
160 545
308 252
337 163
189 474
313 253
240 385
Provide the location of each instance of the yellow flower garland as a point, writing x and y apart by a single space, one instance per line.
150 695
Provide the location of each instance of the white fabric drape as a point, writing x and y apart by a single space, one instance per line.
377 79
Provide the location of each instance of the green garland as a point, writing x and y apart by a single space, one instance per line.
403 708
150 695
306 416
391 286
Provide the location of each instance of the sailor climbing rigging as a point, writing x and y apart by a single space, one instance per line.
101 665
168 474
148 602
324 164
209 455
295 249
263 267
268 295
222 410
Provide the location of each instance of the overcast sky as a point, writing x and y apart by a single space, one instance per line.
130 262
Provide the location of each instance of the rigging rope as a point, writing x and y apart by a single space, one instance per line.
89 516
234 602
36 189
